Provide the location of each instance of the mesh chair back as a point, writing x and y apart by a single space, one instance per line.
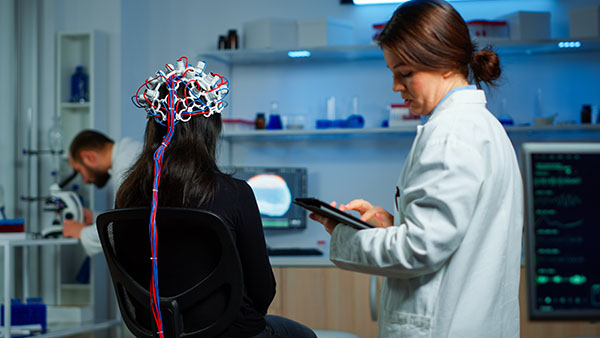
200 274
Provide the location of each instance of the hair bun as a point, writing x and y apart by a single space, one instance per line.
485 66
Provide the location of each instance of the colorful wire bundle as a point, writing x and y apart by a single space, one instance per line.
203 95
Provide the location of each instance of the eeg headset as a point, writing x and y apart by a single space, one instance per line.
203 94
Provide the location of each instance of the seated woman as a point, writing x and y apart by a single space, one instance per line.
179 152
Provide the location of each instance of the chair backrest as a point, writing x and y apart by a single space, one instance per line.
200 274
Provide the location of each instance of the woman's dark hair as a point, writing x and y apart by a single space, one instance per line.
431 35
189 165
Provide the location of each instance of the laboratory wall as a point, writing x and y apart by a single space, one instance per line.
143 35
339 169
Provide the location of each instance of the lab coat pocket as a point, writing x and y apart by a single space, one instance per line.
402 324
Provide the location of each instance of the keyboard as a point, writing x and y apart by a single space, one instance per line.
294 252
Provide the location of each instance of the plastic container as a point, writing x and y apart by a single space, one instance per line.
33 312
528 25
326 31
377 29
584 22
79 85
270 33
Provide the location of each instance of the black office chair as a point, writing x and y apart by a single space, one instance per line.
200 274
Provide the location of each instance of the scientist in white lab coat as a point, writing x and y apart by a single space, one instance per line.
97 159
450 253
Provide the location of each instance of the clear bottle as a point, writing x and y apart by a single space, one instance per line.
538 112
55 141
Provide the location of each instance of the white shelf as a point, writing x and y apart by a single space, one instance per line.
372 51
512 47
397 131
75 106
69 329
270 56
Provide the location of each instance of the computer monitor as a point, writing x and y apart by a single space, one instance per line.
275 188
562 193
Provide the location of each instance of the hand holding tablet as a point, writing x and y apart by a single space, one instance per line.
321 208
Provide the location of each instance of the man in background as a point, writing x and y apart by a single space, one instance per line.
98 159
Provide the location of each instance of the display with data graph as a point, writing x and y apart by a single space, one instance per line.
274 189
562 192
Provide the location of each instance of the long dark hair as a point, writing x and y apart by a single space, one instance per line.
431 35
188 177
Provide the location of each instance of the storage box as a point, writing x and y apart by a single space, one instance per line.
528 25
584 22
488 29
325 32
270 33
400 116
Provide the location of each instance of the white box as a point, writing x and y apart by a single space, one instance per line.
400 116
270 33
528 25
584 22
325 32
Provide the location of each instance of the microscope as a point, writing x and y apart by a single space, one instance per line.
66 204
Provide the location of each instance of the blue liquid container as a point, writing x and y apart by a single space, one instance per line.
32 312
79 85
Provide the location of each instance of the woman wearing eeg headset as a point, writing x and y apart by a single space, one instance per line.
450 254
184 124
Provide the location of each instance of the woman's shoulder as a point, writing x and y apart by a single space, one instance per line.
231 185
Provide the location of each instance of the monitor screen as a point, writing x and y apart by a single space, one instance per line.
562 187
275 188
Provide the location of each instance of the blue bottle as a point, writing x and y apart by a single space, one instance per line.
79 85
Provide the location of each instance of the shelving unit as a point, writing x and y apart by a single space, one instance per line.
57 330
399 131
87 49
59 263
249 57
372 51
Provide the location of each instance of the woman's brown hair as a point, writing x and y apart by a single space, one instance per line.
188 176
431 35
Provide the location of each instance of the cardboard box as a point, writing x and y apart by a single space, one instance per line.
584 22
325 32
270 33
528 25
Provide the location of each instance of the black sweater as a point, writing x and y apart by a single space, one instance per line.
234 201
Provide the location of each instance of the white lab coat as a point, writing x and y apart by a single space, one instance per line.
124 153
451 262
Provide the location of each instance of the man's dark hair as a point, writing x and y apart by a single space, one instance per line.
88 140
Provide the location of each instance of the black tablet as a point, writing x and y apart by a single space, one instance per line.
321 208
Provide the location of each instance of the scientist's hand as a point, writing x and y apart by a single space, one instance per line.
73 228
375 215
327 222
88 216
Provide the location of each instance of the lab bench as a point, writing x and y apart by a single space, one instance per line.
54 330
